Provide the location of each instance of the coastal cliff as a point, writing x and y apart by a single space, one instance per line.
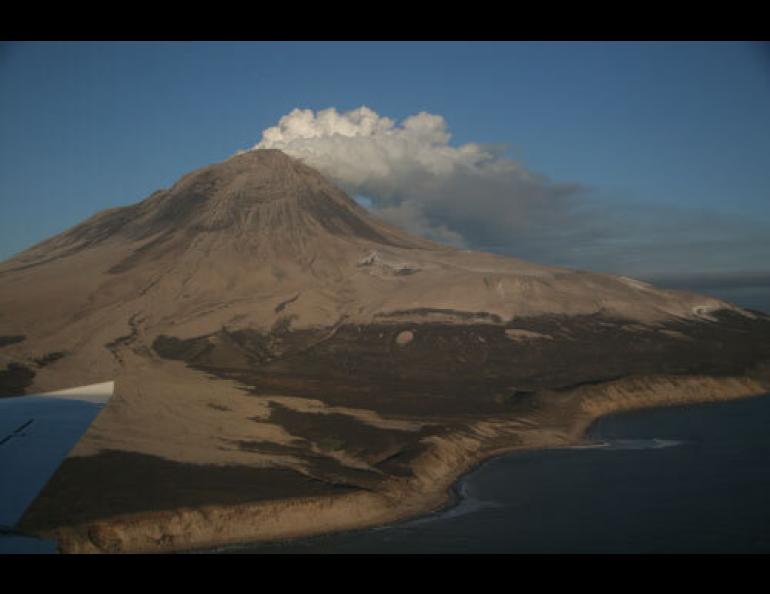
443 462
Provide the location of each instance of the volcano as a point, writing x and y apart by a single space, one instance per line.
286 363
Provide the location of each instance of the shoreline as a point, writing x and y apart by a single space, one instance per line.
431 489
454 499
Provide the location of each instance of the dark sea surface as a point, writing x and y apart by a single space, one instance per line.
689 479
692 479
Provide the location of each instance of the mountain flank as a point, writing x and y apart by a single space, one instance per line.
286 363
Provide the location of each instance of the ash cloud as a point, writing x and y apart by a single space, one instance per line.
474 196
468 196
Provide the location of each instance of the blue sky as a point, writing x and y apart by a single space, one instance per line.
672 138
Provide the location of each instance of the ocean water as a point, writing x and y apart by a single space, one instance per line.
692 479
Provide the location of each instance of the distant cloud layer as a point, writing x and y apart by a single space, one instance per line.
470 195
474 196
714 280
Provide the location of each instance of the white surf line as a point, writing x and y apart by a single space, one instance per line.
653 443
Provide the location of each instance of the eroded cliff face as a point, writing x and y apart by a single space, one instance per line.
286 360
441 461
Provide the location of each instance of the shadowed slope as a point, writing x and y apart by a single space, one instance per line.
254 316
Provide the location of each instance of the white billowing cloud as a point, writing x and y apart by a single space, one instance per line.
473 196
366 152
470 195
304 124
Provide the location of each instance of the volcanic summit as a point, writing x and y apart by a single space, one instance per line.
272 341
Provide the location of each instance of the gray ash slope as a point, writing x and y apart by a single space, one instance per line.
254 316
261 240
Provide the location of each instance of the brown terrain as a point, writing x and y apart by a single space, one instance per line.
287 364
